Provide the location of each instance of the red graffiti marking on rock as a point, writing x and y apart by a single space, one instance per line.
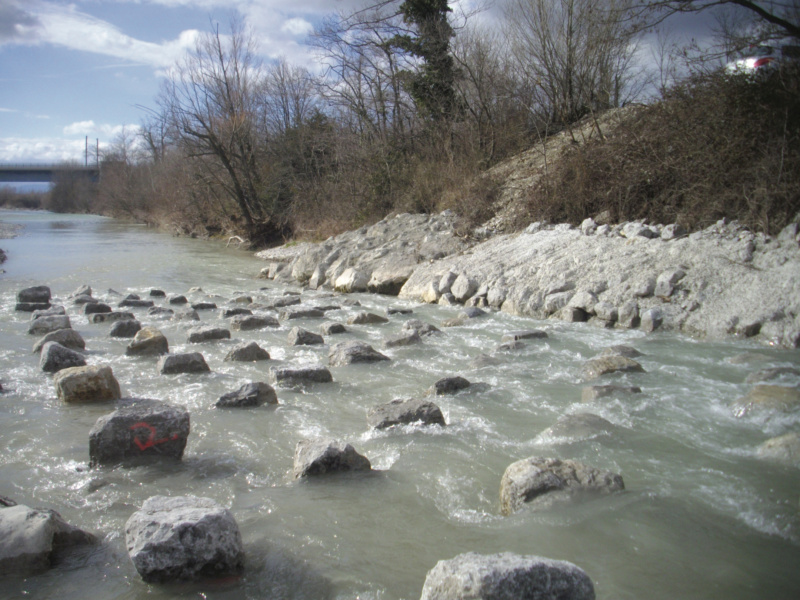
151 440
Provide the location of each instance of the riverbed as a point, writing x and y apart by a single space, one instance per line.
701 515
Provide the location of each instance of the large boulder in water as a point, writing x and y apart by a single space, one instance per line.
613 363
348 353
94 383
143 430
39 294
324 456
299 376
69 338
208 334
55 357
250 394
247 352
541 482
45 325
183 538
126 328
148 341
506 576
784 449
767 398
190 362
29 537
252 322
403 412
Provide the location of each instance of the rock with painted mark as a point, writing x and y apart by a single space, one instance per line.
183 538
142 430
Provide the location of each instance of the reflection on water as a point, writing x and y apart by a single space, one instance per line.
701 516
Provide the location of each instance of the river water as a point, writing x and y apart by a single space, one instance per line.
701 516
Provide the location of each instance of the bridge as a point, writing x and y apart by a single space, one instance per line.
44 173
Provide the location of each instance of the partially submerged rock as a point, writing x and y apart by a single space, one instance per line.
775 398
94 383
190 362
112 317
30 537
541 482
38 294
45 325
332 328
55 357
69 338
299 376
247 352
325 456
252 322
578 426
404 412
591 393
208 334
613 363
148 341
448 386
784 449
349 353
506 576
302 337
126 328
183 538
141 430
528 334
366 318
249 395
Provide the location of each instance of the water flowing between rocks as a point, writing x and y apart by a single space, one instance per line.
702 515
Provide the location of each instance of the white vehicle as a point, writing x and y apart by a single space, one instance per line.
763 58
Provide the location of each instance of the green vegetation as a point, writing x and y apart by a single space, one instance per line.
416 103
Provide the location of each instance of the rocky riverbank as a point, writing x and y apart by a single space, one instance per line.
722 281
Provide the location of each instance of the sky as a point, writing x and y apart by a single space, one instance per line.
91 67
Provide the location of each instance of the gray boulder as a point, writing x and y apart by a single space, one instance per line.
621 350
299 376
208 334
403 412
142 430
349 353
55 357
126 328
530 334
183 538
30 537
204 306
366 318
784 449
302 337
301 313
579 426
53 311
160 312
506 576
95 383
666 282
148 341
45 325
613 363
541 482
767 398
324 456
112 317
31 306
188 314
651 319
249 352
93 308
250 394
628 315
332 328
596 392
37 294
420 327
69 338
178 300
135 303
190 362
156 293
406 338
448 386
252 322
235 312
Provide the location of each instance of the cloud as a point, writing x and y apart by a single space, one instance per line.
8 110
66 26
13 20
90 128
41 150
297 26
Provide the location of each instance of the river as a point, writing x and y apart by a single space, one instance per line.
701 515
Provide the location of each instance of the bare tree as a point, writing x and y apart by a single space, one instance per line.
211 104
576 53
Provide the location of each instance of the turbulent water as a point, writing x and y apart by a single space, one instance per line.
701 516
